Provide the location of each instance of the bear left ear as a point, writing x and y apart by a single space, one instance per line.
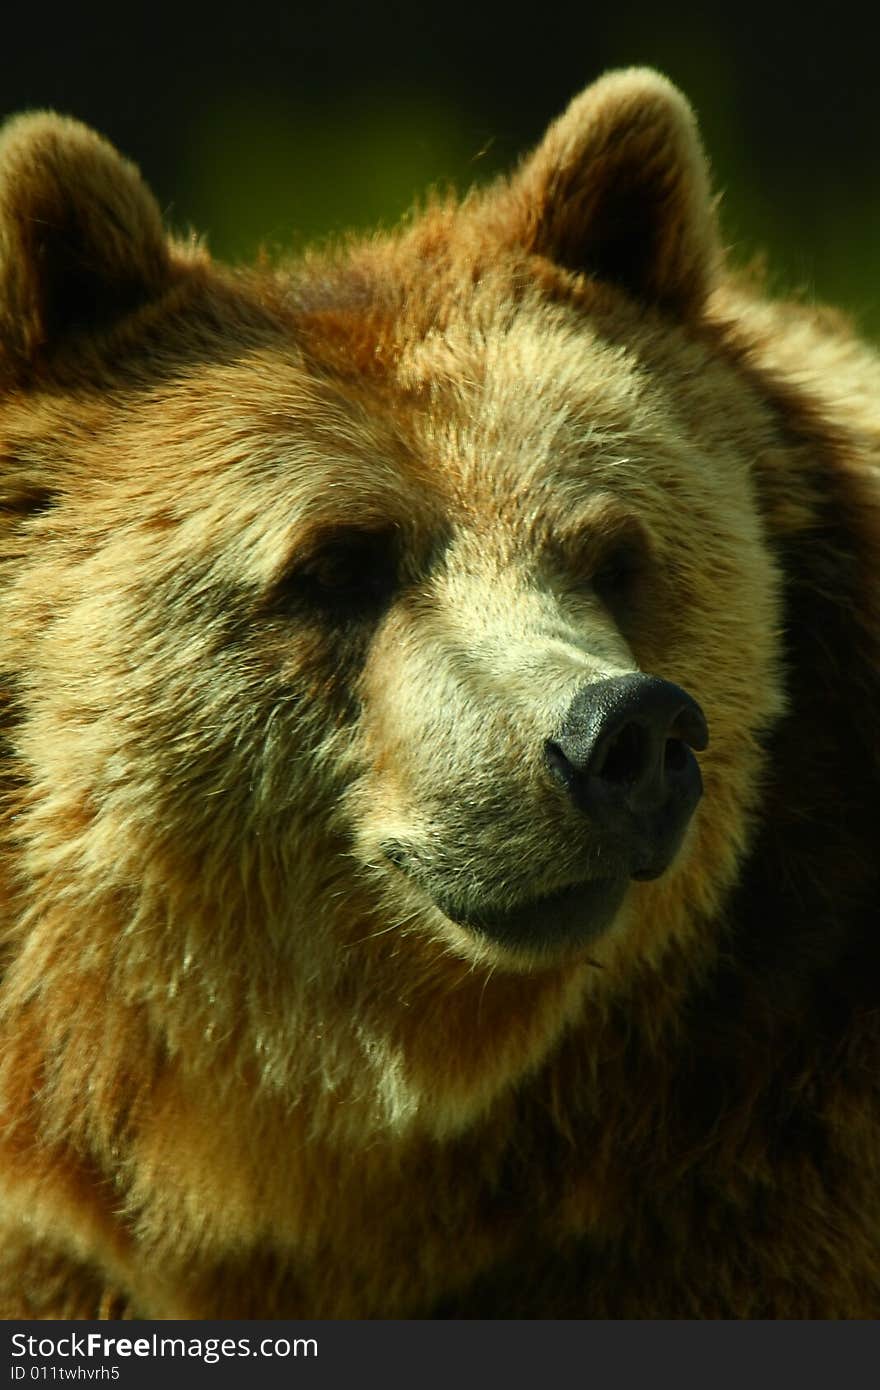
619 188
81 236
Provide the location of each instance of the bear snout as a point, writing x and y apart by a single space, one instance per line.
624 757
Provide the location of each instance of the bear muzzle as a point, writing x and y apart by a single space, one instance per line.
624 758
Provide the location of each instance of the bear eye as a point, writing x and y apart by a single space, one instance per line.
615 578
346 574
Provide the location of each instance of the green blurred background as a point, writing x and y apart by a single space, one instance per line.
281 123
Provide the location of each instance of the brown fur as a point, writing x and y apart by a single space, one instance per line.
249 1067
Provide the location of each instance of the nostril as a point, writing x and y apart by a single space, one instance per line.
675 755
624 757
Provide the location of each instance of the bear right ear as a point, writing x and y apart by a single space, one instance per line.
619 188
81 236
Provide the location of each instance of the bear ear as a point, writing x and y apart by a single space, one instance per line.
81 237
619 188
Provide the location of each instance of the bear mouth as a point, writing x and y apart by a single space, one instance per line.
574 915
571 915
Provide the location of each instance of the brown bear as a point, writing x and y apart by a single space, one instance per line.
440 756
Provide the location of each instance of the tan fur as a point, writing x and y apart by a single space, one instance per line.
251 1068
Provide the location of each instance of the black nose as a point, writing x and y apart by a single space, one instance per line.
623 754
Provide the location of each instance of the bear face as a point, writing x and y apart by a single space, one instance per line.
394 649
482 508
339 557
